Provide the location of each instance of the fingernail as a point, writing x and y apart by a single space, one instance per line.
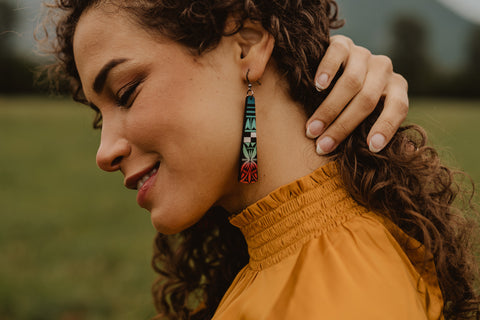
325 146
377 142
314 129
321 83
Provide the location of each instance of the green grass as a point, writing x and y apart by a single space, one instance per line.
73 243
453 128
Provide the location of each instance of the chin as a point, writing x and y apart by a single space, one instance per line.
166 228
170 225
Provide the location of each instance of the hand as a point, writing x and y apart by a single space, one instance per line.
365 80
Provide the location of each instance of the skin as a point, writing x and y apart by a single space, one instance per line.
365 80
187 115
130 139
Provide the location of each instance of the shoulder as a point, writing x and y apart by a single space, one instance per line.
357 270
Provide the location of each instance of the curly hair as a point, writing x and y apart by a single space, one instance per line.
405 183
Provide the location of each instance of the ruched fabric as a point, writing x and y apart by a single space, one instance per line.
315 253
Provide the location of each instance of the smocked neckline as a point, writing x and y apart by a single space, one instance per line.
277 225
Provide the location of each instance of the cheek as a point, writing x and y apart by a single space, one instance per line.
195 126
187 123
201 143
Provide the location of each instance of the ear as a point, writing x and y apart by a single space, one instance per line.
256 49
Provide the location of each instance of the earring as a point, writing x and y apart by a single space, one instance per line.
248 172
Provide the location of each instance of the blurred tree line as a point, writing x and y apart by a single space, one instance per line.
16 72
412 59
409 53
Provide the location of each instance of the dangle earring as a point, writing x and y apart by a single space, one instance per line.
248 172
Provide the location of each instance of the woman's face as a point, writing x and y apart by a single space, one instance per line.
171 121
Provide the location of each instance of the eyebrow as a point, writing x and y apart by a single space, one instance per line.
101 77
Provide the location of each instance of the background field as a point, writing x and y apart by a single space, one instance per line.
74 245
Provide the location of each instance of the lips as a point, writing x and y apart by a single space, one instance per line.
144 185
144 179
137 180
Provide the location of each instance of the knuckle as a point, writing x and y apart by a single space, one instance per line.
389 127
401 80
401 107
340 37
363 51
335 37
368 101
385 59
348 41
340 46
328 113
352 82
341 130
386 62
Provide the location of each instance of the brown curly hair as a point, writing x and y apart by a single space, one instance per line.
405 183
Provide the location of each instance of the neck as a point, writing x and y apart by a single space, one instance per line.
284 153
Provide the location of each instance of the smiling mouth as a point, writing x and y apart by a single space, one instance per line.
144 179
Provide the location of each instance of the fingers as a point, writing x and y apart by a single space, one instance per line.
365 79
360 107
346 88
394 113
337 54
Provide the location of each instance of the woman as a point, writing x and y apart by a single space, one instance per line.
177 85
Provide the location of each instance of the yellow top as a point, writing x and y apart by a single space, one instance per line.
317 254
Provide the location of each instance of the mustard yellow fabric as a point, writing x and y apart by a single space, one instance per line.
317 254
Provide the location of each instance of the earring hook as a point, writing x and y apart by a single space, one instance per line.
250 90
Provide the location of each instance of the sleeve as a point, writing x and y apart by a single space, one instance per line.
357 271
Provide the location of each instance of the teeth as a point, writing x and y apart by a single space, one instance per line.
145 178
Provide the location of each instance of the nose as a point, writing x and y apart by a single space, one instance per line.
112 150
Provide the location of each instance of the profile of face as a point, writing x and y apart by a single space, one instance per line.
171 120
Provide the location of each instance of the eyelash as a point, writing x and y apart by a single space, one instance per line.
123 99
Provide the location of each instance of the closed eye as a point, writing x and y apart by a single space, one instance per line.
126 95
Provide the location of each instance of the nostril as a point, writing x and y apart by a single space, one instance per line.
116 161
112 152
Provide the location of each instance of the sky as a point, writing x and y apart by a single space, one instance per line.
470 9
